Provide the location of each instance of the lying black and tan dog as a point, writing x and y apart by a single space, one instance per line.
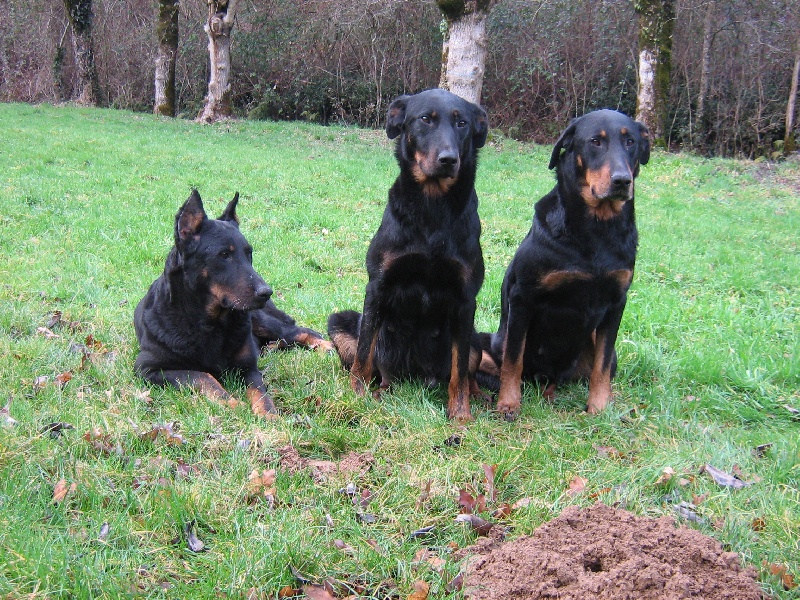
565 290
209 311
424 263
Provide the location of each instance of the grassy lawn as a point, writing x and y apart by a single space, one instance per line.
709 357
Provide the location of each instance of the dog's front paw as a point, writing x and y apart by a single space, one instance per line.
262 404
509 409
357 384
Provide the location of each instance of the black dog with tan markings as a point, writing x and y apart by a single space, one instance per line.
209 311
424 263
565 290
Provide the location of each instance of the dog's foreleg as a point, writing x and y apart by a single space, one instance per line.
509 400
363 367
260 400
458 391
605 359
200 381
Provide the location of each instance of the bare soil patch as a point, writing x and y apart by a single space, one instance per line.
603 552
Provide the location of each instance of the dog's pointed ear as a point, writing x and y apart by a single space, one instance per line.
644 150
481 127
564 143
229 214
190 218
396 116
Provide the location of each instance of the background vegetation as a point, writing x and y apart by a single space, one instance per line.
105 484
328 61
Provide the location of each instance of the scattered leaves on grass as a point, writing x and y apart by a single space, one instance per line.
47 333
489 473
354 464
55 430
576 486
195 544
288 591
63 379
686 510
426 556
5 415
39 383
63 489
318 592
697 500
424 495
422 532
455 584
481 526
607 451
168 432
666 474
724 479
421 590
787 579
758 524
261 485
471 504
102 442
761 450
502 512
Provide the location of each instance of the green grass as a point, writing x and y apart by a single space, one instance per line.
709 361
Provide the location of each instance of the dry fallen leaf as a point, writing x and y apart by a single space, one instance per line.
46 333
607 452
105 529
576 486
698 500
425 494
195 544
521 503
489 472
62 489
758 524
724 479
421 590
288 591
5 415
317 592
503 511
481 526
787 579
666 475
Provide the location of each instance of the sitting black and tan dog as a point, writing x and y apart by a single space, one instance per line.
424 263
565 290
209 312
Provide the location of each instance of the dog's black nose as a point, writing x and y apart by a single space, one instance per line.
448 158
263 291
621 179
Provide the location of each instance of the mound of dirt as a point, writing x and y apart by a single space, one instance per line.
602 552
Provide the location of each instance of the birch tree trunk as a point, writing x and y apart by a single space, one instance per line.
167 33
219 27
789 141
80 17
656 21
464 47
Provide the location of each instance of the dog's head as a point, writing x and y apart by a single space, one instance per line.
601 153
439 135
216 260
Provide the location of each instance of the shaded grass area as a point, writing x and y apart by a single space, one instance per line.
709 366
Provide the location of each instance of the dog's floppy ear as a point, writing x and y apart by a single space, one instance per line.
190 218
229 214
481 126
564 143
396 116
644 150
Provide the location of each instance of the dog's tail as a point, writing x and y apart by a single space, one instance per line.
343 330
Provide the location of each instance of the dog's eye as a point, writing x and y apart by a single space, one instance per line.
595 141
629 142
224 254
461 124
425 119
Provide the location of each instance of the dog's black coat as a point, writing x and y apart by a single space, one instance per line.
565 290
424 263
197 319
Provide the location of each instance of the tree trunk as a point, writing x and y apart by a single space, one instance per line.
705 73
464 47
219 28
656 21
789 141
80 17
167 33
